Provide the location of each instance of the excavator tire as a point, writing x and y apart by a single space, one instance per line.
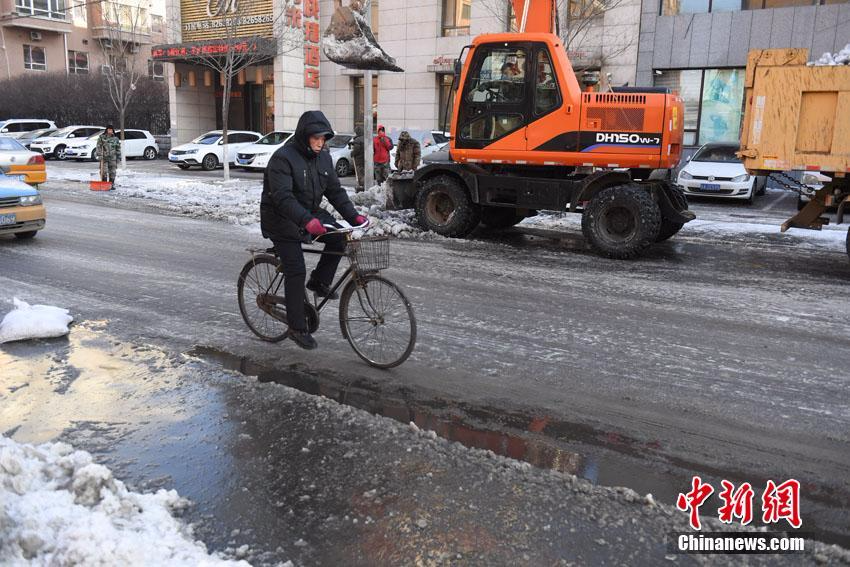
669 229
443 205
500 217
621 221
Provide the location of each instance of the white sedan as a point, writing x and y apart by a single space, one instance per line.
56 143
137 144
715 171
207 150
256 156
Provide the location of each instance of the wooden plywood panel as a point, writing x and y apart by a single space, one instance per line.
816 124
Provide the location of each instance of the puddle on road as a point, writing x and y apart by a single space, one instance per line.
604 458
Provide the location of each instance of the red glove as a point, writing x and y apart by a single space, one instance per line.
360 219
315 227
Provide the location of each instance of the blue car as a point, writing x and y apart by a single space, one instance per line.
22 212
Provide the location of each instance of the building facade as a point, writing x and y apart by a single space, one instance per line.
425 36
699 48
46 36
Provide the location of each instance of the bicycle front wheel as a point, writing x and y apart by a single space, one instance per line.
377 321
260 291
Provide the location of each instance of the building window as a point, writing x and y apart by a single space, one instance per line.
156 70
53 9
673 7
447 101
456 16
78 63
34 58
713 100
156 23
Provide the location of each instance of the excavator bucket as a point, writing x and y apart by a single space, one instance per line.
349 41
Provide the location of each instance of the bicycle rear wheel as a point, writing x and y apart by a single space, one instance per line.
260 292
377 320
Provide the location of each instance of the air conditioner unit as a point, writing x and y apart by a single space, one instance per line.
105 69
134 48
35 36
106 43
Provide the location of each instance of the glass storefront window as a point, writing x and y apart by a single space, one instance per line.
674 7
720 108
713 101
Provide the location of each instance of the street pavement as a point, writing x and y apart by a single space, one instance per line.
723 357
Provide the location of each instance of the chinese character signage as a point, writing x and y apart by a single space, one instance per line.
307 18
215 19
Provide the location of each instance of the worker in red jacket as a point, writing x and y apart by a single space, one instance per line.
382 145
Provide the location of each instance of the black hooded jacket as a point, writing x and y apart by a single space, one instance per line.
295 181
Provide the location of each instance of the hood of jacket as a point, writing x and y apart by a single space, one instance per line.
311 123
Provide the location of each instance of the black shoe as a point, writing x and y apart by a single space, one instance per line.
303 339
321 289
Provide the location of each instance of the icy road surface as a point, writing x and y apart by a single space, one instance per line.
723 354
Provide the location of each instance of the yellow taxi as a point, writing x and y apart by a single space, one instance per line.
17 161
22 212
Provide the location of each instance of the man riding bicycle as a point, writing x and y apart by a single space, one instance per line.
297 177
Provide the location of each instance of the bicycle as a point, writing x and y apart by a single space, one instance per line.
375 317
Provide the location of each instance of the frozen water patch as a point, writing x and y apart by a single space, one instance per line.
27 321
59 507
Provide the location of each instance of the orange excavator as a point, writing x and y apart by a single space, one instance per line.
525 138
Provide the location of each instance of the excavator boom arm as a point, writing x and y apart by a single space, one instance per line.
535 15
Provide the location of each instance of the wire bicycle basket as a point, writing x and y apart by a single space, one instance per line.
369 254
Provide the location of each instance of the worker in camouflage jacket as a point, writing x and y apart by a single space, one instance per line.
108 152
408 153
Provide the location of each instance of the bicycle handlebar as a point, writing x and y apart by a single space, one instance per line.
332 229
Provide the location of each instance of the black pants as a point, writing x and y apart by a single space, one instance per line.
295 272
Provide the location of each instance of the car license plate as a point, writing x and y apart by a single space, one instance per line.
172 158
709 187
7 219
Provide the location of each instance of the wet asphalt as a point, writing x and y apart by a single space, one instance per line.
726 358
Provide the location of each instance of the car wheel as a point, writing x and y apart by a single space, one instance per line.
25 235
342 167
59 153
150 153
183 166
763 189
94 155
209 162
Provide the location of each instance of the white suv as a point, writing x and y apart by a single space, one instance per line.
17 127
137 144
207 150
55 144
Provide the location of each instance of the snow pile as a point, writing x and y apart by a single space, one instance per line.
58 507
236 201
27 321
828 59
401 224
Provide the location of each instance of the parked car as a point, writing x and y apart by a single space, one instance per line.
20 163
429 142
340 148
21 210
207 150
17 127
256 156
56 143
714 170
137 144
27 137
